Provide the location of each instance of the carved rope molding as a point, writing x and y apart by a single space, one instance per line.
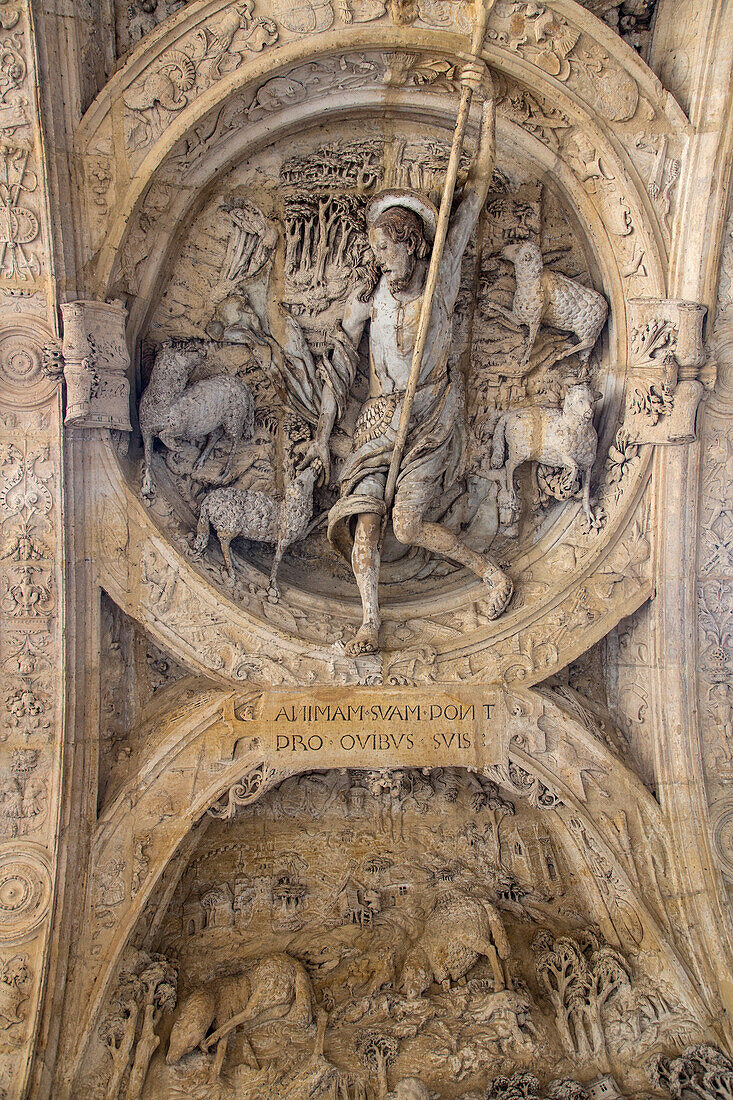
205 752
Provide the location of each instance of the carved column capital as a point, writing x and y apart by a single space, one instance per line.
96 362
666 354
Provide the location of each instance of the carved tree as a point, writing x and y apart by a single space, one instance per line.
377 1052
525 1086
569 981
700 1071
146 988
159 991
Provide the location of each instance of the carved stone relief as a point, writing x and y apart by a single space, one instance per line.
29 655
715 582
408 932
261 341
352 809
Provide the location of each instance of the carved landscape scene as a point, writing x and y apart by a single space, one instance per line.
357 929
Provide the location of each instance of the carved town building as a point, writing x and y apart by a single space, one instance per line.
366 570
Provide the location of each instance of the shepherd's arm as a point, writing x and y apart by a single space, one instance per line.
464 220
355 318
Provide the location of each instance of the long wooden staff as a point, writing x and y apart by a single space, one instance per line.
479 30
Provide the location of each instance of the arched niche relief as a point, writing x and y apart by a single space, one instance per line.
533 818
447 639
214 90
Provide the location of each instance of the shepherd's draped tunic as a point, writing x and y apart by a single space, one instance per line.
435 448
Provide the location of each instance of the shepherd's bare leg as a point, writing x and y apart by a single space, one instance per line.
411 529
365 563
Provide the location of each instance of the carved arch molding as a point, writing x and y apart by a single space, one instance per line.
213 108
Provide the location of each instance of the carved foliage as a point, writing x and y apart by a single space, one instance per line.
147 987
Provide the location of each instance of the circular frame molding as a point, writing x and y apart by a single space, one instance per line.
25 890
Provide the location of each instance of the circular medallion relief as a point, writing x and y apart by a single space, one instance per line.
294 308
21 362
25 891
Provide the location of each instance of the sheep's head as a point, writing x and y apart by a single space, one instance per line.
578 401
178 356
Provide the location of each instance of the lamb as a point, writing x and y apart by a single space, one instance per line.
257 516
173 410
560 438
545 295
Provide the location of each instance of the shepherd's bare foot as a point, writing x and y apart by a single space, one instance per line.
366 640
500 591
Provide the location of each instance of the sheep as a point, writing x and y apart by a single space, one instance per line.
545 295
560 438
258 516
274 987
173 410
457 932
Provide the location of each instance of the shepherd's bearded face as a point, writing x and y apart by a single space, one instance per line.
396 259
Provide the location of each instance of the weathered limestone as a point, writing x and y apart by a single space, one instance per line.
365 798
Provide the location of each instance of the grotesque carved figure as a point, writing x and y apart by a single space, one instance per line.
459 930
173 410
545 295
272 988
15 979
564 439
166 87
253 515
143 18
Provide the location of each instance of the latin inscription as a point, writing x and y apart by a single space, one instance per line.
377 728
